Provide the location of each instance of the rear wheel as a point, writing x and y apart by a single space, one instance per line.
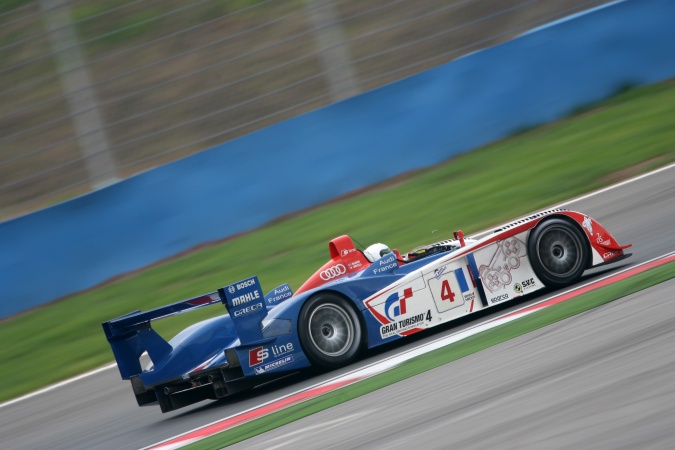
329 331
558 252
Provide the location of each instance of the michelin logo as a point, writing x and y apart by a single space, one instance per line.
274 365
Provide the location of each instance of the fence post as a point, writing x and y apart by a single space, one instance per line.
76 85
334 53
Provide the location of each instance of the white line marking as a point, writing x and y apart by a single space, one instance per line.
583 197
58 385
571 17
321 427
608 188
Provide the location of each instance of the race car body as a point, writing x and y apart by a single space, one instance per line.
354 301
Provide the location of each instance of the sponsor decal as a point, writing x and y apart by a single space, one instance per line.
497 274
251 292
395 306
245 306
524 286
273 365
354 265
347 251
527 284
281 349
245 284
386 268
280 294
258 355
588 224
439 272
499 298
609 255
333 272
386 264
599 240
246 298
402 325
386 261
286 288
248 310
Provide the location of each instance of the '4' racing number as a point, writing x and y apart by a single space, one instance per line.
447 287
446 291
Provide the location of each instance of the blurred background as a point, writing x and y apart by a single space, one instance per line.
94 92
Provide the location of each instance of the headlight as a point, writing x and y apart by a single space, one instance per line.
275 327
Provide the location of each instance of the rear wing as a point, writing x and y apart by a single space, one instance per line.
131 335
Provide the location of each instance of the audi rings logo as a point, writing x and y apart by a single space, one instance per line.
333 272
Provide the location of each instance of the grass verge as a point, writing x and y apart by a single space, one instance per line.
629 134
443 356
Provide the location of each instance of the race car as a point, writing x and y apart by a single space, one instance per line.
358 300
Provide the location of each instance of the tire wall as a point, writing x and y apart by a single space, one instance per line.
415 122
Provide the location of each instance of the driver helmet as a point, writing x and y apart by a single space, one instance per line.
376 251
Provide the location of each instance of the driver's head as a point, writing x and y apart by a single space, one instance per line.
376 251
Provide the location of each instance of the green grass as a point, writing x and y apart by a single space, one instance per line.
476 190
443 356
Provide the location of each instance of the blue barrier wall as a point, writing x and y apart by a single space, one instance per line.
415 122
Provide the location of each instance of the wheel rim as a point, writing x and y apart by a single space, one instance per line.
331 330
559 251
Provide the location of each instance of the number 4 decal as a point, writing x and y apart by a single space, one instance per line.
446 292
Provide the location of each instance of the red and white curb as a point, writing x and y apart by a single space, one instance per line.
389 363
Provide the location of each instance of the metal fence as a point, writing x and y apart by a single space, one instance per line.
92 92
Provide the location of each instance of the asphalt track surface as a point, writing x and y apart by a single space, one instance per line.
100 411
602 379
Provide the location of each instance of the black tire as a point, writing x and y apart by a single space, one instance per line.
558 252
330 331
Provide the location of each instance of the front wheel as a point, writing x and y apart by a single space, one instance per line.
558 253
330 331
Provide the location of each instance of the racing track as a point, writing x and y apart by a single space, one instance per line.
602 379
100 412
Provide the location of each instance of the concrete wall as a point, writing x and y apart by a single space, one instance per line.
415 122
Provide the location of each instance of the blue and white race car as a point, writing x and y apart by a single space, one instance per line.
358 300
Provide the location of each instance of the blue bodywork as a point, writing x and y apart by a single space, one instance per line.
258 336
